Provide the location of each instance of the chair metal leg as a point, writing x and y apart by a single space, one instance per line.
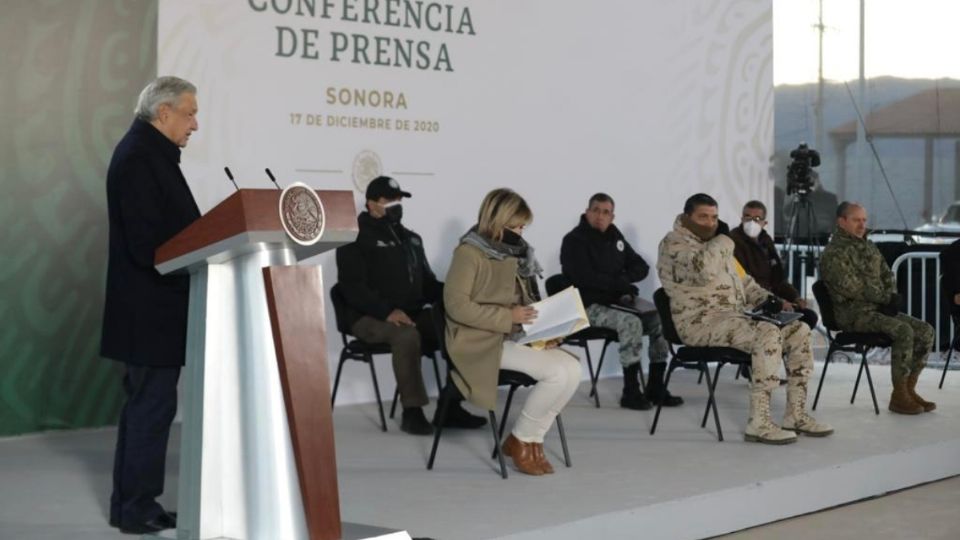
873 394
503 419
436 372
823 375
496 444
706 411
593 379
393 406
596 375
336 380
711 385
700 378
856 384
947 363
666 384
563 442
445 400
376 390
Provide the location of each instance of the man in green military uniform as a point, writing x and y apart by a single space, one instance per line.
865 300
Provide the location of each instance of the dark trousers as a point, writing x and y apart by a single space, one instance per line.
407 343
142 434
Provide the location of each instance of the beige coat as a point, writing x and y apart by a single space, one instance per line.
478 294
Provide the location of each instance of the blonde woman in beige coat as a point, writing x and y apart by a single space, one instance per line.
491 281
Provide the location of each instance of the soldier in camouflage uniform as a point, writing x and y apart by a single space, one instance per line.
865 300
708 297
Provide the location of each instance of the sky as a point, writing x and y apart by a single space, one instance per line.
904 38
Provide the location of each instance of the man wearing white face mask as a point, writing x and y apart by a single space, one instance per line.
754 250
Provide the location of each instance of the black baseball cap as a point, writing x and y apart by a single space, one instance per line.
386 187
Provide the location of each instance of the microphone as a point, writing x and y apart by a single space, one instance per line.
230 176
272 179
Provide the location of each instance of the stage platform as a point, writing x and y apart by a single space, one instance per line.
680 483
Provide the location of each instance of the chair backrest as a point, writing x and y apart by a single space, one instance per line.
339 308
556 283
662 302
440 327
822 294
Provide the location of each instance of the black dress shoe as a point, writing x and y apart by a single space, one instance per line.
458 417
635 401
170 518
157 524
415 423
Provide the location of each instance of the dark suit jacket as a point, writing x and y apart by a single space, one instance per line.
148 202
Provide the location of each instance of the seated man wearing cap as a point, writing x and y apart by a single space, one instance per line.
387 283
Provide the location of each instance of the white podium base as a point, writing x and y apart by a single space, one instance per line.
351 531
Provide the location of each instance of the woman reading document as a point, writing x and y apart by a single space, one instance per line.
491 282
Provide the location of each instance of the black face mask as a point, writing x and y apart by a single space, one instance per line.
394 213
512 238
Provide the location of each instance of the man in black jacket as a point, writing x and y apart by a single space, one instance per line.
597 259
387 284
145 314
757 254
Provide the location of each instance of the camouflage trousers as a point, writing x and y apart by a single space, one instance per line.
912 340
766 343
631 329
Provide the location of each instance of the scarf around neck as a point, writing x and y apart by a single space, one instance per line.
528 267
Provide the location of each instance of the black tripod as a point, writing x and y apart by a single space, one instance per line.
804 241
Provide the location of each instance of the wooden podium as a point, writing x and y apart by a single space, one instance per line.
257 457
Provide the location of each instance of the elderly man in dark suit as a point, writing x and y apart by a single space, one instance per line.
145 314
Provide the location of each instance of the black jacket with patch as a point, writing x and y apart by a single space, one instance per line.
602 265
385 269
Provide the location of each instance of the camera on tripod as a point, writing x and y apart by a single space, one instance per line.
800 179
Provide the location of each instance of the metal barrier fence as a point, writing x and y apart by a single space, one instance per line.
924 259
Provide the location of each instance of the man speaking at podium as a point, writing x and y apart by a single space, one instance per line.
145 314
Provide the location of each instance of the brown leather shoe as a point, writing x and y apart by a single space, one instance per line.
901 401
523 454
912 390
542 462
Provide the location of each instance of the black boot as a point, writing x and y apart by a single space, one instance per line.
656 391
632 396
414 422
458 417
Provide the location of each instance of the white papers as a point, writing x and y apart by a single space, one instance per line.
557 316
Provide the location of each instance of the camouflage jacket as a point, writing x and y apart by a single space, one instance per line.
857 276
702 280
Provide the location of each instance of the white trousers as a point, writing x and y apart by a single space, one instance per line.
557 374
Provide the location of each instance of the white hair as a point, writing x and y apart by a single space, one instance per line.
163 90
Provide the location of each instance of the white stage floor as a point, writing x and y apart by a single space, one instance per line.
680 483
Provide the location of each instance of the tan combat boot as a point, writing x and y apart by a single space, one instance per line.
912 390
796 418
761 428
901 402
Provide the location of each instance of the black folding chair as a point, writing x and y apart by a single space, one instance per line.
557 283
850 342
954 346
362 351
450 393
682 356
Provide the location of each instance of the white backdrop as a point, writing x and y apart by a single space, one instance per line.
648 101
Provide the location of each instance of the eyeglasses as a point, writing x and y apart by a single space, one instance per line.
755 219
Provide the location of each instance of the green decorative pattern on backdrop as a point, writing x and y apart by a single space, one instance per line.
71 71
